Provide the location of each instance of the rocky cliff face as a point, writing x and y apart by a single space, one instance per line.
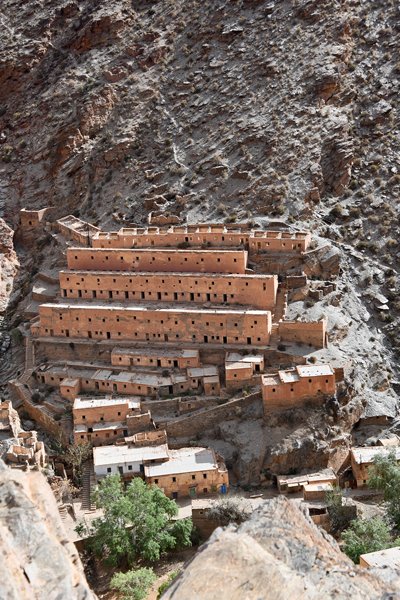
278 554
207 110
38 561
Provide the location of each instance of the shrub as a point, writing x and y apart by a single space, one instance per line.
135 584
367 535
165 584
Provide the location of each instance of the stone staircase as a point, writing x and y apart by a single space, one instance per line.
88 483
281 303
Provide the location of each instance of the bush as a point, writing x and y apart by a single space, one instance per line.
165 584
135 584
229 510
367 535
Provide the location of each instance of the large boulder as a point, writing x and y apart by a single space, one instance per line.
278 554
37 559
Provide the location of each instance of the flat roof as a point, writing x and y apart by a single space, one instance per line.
184 460
323 475
99 402
390 557
166 274
175 251
237 365
178 353
100 426
247 358
109 455
70 381
365 455
208 371
149 308
293 375
318 487
314 370
145 378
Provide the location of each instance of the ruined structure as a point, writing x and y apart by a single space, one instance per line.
18 448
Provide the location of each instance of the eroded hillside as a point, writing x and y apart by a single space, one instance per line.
225 111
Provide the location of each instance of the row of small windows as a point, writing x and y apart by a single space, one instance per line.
309 381
99 281
166 337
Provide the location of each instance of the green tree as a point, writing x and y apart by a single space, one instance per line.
338 513
367 535
384 475
138 522
135 584
76 456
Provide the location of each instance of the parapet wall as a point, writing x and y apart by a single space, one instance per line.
209 235
161 260
77 230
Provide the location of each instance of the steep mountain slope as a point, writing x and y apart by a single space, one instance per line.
225 111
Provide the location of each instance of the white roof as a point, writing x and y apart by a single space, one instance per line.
238 365
314 370
208 371
99 402
366 455
173 352
248 358
118 455
184 460
136 308
383 558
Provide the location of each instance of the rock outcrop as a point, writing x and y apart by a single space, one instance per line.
278 554
8 263
38 561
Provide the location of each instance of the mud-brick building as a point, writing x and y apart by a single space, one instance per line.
215 235
362 459
291 388
243 370
189 472
175 358
147 323
161 260
127 461
102 420
258 291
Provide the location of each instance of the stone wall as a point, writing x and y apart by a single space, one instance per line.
208 417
